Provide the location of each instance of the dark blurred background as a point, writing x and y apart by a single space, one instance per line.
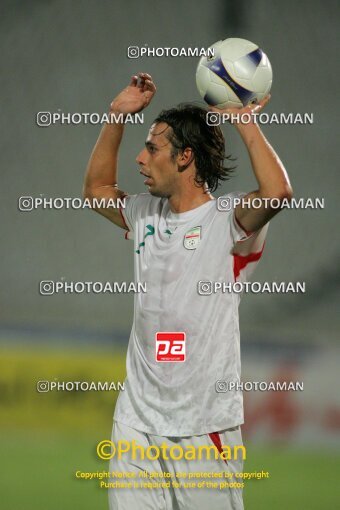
72 57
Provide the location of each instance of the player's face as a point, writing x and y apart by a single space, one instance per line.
156 164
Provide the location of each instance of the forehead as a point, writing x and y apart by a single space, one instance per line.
158 134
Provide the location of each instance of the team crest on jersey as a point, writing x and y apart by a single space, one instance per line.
192 238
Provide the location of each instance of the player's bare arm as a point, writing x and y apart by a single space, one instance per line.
102 170
269 171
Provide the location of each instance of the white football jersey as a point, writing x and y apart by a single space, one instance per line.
184 339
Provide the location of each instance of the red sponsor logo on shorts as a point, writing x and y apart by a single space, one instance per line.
170 346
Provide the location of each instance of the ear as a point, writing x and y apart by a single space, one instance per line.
184 159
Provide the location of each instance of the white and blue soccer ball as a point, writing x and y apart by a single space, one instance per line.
239 73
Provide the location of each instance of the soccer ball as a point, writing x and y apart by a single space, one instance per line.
239 73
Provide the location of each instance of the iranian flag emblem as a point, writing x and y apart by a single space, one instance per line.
192 238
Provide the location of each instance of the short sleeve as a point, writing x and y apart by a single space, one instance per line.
247 246
135 207
245 242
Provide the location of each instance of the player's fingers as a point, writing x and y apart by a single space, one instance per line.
265 100
142 77
141 80
149 85
145 76
253 108
263 103
133 81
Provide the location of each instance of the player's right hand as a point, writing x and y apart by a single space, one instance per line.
136 96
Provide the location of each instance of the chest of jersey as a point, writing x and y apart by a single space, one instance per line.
185 253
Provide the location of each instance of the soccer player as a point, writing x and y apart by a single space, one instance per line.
175 390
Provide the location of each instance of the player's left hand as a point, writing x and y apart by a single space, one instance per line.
238 112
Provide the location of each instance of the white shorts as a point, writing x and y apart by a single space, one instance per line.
174 498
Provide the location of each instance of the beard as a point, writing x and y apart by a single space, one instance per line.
158 193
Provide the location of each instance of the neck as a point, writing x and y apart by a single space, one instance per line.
185 201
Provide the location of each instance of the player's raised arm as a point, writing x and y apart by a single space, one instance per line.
272 178
101 175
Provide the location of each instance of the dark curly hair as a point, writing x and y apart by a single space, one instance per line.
190 130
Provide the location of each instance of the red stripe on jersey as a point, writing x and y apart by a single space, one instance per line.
215 437
165 335
241 261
